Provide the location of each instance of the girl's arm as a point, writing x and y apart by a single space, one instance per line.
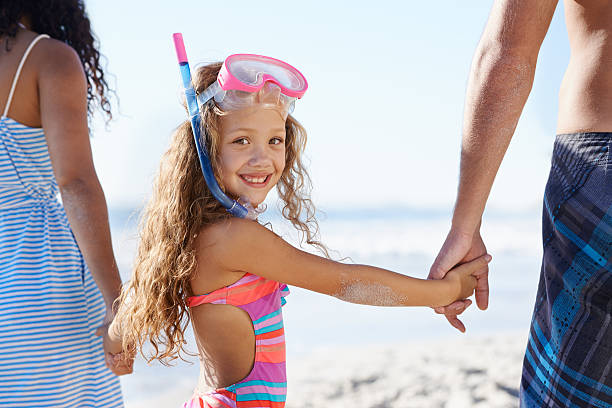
244 246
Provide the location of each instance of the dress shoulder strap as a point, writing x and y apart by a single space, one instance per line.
23 59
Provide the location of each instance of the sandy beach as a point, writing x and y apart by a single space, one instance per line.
471 372
474 371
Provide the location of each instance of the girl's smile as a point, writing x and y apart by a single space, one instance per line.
252 154
257 181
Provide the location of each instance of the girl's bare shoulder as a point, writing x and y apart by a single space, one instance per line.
216 243
228 233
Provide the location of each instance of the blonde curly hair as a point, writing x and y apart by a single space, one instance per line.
152 307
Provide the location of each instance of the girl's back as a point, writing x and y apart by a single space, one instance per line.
240 334
224 332
238 324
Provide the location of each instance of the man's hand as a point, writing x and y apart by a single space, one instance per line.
457 249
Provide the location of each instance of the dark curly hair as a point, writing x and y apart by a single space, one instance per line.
66 21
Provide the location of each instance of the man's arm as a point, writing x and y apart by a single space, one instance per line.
500 81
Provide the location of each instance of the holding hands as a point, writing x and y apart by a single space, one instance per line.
117 360
462 279
458 249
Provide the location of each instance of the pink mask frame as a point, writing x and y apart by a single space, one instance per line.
228 81
251 72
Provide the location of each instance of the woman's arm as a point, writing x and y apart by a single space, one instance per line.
63 108
244 246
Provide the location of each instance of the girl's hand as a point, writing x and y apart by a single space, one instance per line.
120 362
462 280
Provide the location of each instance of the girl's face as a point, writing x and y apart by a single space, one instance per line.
252 153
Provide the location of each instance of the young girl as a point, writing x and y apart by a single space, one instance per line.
228 276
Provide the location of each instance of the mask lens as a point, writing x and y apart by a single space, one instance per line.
251 71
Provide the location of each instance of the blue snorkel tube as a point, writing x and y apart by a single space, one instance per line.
232 206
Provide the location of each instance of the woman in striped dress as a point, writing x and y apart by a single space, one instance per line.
58 277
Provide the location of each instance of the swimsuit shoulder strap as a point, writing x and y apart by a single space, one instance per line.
244 290
23 59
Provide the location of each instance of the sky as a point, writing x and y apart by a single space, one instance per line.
383 110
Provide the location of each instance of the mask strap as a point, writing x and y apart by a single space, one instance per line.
209 93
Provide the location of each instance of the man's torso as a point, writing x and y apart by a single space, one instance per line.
585 99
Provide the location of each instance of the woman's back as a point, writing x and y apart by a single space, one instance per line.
25 107
26 174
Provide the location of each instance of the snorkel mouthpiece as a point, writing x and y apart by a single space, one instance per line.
232 206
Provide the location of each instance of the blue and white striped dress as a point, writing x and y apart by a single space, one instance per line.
50 305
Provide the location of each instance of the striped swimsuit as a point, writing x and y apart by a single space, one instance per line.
266 384
50 305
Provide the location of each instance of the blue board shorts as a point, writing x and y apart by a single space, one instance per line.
568 361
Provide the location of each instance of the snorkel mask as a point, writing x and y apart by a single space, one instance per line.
245 80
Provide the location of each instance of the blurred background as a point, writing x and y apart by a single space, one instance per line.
383 114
